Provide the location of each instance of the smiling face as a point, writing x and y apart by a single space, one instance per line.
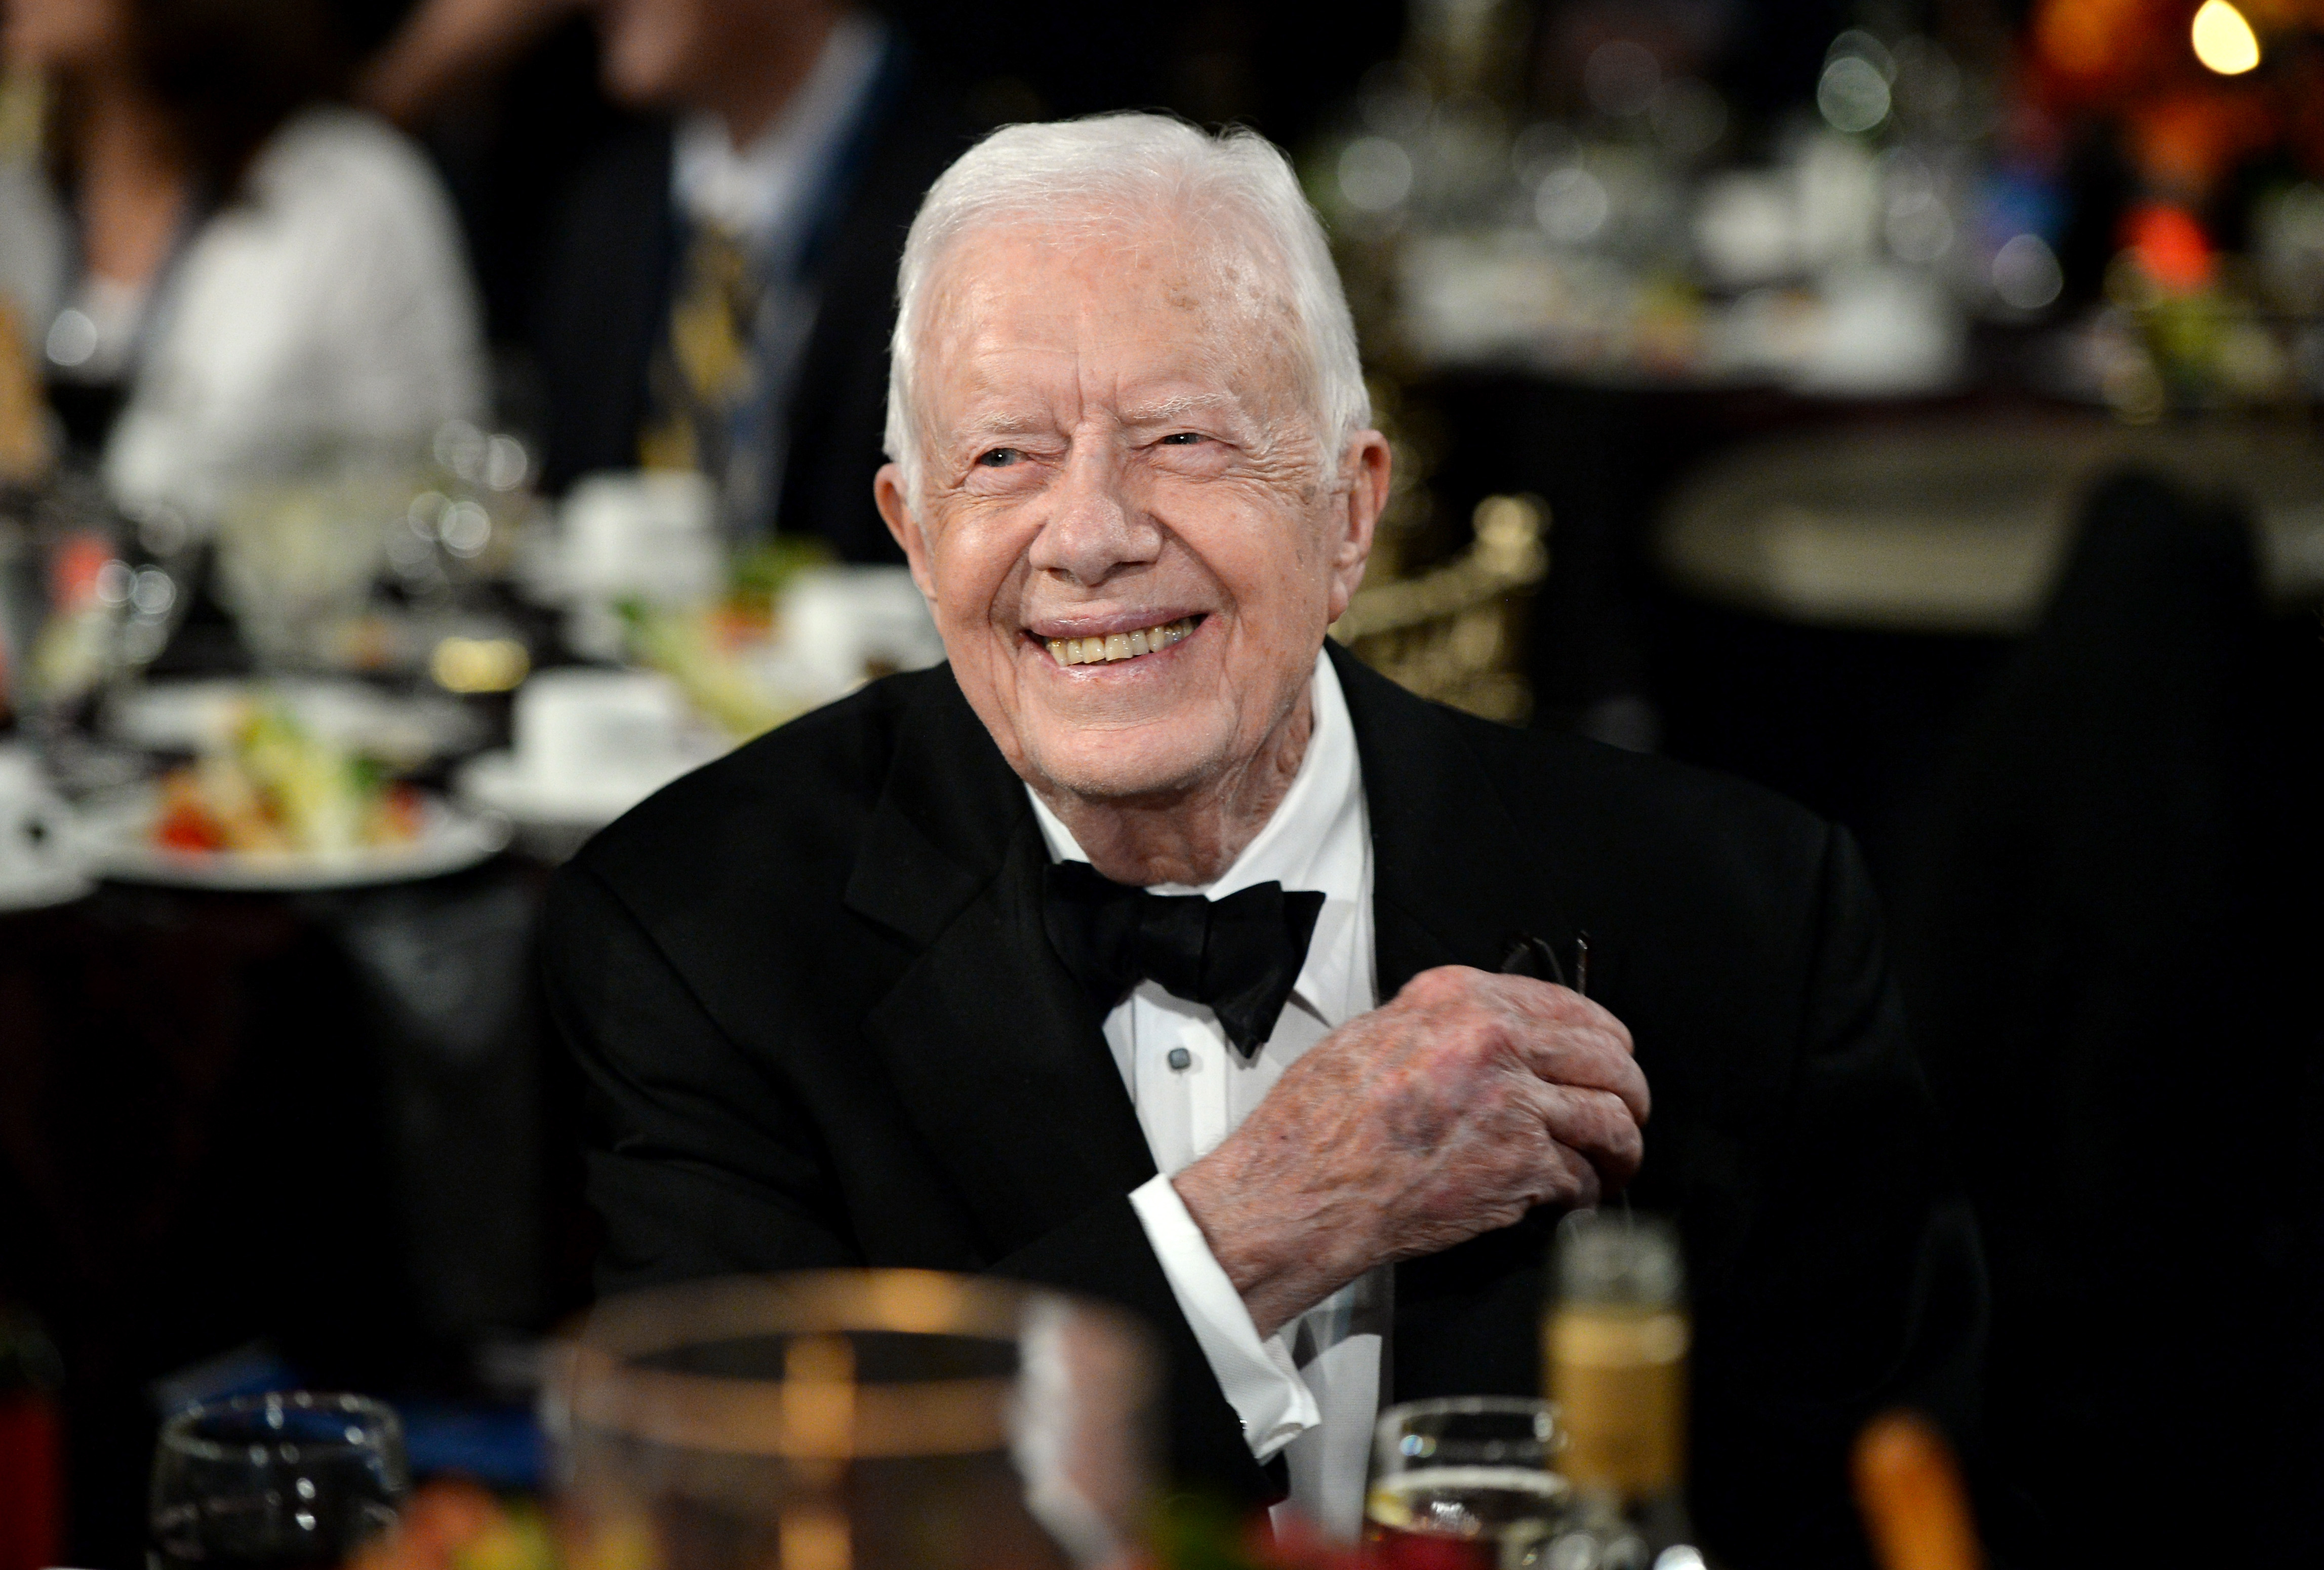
1119 455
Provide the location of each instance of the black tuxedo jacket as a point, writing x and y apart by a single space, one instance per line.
604 305
821 1025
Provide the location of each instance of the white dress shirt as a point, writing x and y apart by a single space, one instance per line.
759 194
328 305
1311 1390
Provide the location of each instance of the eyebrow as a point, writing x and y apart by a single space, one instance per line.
1160 411
1006 423
1163 410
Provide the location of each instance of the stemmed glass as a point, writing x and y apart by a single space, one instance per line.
296 1480
88 598
851 1420
1466 1481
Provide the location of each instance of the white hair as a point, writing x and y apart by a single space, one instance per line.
1116 170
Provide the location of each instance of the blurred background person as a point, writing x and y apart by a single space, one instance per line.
720 285
449 49
233 271
732 249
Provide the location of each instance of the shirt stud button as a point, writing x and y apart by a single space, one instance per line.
1180 1059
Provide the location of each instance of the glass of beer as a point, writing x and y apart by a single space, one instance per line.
1465 1482
294 1481
850 1420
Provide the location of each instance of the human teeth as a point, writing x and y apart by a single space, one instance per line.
1115 646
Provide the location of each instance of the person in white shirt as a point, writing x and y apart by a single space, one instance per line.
1149 948
233 275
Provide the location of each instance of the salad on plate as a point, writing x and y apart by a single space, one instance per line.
276 789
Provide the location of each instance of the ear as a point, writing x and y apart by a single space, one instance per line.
1364 471
888 491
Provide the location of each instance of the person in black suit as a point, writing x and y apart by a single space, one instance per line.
1144 948
720 288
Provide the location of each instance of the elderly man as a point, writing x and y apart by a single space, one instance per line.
1145 950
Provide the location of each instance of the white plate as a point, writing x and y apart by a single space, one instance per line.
494 783
39 890
450 839
191 716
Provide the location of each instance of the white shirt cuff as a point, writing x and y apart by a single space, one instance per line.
1256 1377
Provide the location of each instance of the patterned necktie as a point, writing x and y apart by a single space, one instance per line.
1238 955
702 373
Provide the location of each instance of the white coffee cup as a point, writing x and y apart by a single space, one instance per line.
841 622
578 726
648 535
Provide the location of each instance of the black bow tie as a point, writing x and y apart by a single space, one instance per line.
1238 955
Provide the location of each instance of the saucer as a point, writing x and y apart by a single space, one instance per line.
498 782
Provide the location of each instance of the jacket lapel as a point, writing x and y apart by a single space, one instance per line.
1454 879
999 1058
985 1030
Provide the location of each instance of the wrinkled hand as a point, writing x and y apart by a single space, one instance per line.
1449 1111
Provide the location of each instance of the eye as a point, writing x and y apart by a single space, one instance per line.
1182 438
998 457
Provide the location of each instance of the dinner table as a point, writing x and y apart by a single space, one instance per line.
285 1129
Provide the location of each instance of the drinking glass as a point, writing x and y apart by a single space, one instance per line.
298 553
1465 1482
88 598
294 1481
845 1419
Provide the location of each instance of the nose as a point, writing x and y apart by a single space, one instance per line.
1095 527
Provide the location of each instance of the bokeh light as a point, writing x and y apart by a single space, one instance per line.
2223 39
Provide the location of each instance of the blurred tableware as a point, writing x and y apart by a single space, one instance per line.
1615 1338
446 838
295 1480
764 658
578 723
648 536
832 1420
840 624
1466 1480
41 859
466 513
731 669
590 744
87 596
404 731
298 556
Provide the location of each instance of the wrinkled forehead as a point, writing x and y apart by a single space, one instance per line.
1101 300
